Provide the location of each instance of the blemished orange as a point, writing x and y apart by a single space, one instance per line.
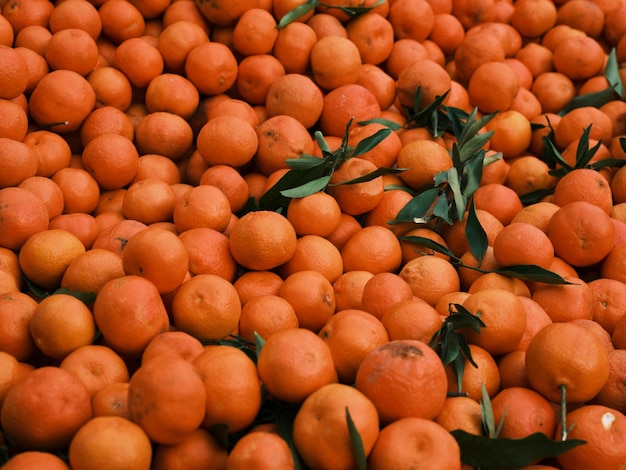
106 440
67 406
16 309
351 334
35 459
411 319
551 363
375 249
474 378
430 277
284 371
392 449
335 61
264 315
227 140
504 317
46 255
196 451
523 412
582 233
115 236
281 137
129 312
522 243
167 380
597 425
60 324
262 240
234 400
389 371
320 429
206 306
97 366
383 291
159 256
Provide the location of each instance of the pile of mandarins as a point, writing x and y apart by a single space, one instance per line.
156 313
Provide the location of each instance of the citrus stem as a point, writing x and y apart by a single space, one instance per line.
563 412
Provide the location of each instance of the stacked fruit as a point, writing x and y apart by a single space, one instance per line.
304 234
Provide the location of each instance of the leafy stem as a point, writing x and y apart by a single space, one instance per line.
309 5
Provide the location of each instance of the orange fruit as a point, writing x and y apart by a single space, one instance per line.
72 49
258 450
571 125
423 159
431 78
564 302
115 237
294 363
316 214
293 46
231 182
202 206
375 249
104 440
35 459
311 295
314 253
48 191
612 266
474 378
21 162
348 289
411 319
106 120
389 371
52 151
412 250
176 41
320 429
231 400
209 252
582 233
344 103
111 86
61 101
81 192
351 334
167 398
52 397
129 312
523 412
551 364
174 342
522 243
16 309
358 198
532 18
227 140
46 255
536 319
121 21
384 154
499 200
612 394
61 324
112 159
148 201
608 297
596 425
14 77
214 76
583 184
512 370
257 283
206 317
172 93
383 291
153 125
489 95
159 256
15 123
138 60
23 214
262 240
581 46
474 50
430 277
392 449
97 366
461 413
335 61
255 317
255 32
296 95
537 214
198 450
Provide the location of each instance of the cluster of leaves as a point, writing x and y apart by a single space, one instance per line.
310 174
310 5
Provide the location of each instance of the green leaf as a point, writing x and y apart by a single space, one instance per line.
356 11
486 410
553 155
297 12
87 298
614 162
357 443
472 146
428 243
531 272
259 342
307 189
583 153
284 416
473 173
476 235
371 141
306 162
611 72
594 100
442 210
486 452
534 196
394 126
417 208
459 199
370 176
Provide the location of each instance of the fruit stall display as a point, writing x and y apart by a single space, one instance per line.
302 234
